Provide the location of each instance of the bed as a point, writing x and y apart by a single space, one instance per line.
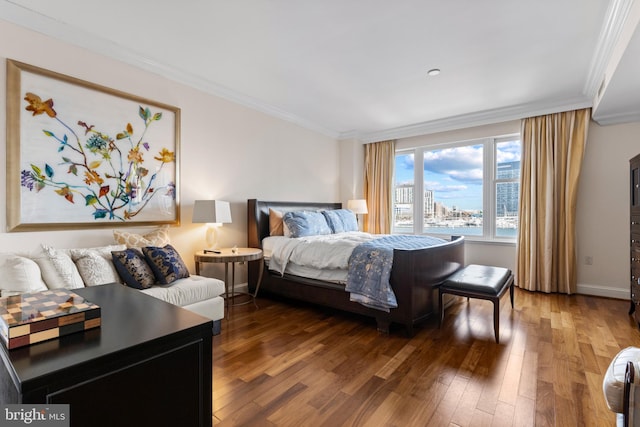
415 275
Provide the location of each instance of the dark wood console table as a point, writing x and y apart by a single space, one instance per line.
150 363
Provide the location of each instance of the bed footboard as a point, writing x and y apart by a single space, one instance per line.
416 276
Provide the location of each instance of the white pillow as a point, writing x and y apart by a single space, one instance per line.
20 275
95 265
58 269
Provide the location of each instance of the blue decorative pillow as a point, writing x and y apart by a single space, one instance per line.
166 263
306 223
341 220
133 268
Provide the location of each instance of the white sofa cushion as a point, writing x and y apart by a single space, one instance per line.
20 275
212 308
58 269
613 383
95 265
188 290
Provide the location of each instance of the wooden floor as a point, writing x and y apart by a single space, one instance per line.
290 364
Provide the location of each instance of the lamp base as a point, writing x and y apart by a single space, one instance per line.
212 238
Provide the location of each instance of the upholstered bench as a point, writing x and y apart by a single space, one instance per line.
479 281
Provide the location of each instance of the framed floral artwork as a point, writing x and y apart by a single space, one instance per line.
80 155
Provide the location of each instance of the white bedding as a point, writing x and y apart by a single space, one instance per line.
326 275
329 252
364 267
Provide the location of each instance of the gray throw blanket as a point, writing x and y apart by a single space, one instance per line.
370 269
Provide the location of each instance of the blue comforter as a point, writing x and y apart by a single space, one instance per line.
370 269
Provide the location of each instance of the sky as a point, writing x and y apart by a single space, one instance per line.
455 174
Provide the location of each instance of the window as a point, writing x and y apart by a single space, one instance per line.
403 193
507 188
469 188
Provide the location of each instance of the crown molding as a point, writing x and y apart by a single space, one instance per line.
616 119
471 120
42 24
617 14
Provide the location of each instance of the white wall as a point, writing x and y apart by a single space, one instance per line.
351 170
603 209
227 151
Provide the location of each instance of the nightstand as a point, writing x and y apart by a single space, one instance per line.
228 256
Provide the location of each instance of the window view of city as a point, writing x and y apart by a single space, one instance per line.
453 190
507 194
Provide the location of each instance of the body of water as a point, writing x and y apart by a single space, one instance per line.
463 231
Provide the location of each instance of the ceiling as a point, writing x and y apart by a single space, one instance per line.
358 68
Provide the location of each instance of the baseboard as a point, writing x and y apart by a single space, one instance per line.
603 291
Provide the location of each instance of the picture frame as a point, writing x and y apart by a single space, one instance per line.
81 155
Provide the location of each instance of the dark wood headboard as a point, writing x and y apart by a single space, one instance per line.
258 216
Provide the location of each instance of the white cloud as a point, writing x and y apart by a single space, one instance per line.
463 164
508 151
444 188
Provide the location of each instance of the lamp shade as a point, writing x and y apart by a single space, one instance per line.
357 206
211 211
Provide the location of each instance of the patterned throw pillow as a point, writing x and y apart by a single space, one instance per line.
306 223
166 263
95 265
158 237
133 268
341 220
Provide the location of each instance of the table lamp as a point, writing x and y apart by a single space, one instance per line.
358 206
214 213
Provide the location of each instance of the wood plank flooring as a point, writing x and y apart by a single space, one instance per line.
291 364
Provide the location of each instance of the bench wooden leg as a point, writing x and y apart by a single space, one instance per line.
496 318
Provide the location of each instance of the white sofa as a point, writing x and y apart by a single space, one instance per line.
51 268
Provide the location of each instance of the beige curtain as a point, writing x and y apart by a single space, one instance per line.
379 160
552 151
